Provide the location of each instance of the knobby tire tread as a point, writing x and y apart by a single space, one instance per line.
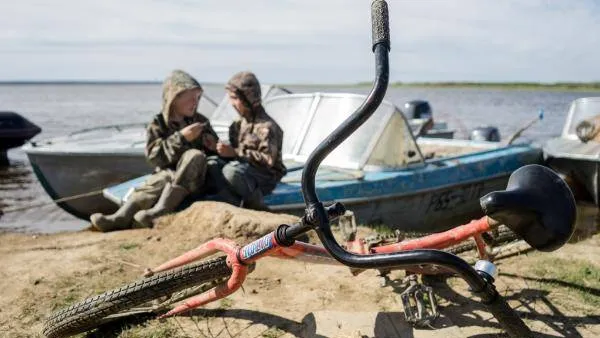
84 315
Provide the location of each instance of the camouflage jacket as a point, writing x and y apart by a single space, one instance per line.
164 143
259 141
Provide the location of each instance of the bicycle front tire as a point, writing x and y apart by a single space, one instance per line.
88 314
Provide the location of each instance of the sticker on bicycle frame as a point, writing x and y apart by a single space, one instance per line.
258 247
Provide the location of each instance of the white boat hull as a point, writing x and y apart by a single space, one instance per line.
66 175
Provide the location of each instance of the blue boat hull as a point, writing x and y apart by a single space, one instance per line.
435 196
426 210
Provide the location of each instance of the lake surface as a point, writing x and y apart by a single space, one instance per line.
65 108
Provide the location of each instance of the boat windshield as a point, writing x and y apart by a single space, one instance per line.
206 106
383 141
291 113
581 109
225 113
331 111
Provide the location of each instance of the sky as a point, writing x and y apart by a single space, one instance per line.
299 41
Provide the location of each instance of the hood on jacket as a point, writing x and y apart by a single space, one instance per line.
246 86
177 82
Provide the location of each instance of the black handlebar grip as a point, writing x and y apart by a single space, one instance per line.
381 23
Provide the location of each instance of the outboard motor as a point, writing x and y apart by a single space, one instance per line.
417 109
15 130
489 133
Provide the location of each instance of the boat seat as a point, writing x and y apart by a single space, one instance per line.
430 151
328 174
537 205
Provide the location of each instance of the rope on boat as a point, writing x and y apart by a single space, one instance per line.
518 133
64 199
137 266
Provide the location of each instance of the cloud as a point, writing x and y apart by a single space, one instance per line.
298 41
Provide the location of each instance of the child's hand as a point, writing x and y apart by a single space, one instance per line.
210 142
192 131
225 150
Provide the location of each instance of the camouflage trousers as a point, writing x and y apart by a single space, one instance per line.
238 178
189 173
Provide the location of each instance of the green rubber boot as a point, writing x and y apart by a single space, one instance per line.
171 196
120 220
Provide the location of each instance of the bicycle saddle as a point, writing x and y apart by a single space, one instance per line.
537 205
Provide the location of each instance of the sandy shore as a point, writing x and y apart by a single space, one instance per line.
558 293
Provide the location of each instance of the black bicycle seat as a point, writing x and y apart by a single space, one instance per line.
537 205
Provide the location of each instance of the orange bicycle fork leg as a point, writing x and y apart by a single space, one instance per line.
213 246
237 259
238 276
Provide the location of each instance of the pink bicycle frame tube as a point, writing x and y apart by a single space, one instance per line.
440 240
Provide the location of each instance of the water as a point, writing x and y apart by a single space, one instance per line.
62 109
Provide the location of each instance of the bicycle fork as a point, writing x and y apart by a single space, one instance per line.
239 259
238 275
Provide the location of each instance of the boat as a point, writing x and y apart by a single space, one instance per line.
577 158
15 130
382 172
86 161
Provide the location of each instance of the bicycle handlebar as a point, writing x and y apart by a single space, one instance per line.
380 24
317 217
381 47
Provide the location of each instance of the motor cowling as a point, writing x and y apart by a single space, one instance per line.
417 109
489 133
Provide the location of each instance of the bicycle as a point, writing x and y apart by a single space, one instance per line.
537 205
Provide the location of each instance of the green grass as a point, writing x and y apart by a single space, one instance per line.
67 292
128 246
579 277
562 86
226 303
272 332
387 231
155 329
381 229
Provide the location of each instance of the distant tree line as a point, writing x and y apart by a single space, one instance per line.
506 85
